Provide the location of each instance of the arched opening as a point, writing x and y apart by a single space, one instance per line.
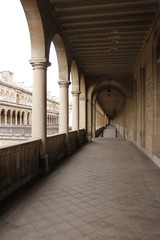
61 58
63 83
17 99
15 53
8 117
3 112
18 118
112 106
23 118
53 74
14 117
28 118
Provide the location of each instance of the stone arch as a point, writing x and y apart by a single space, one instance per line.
114 86
35 28
61 57
75 76
93 93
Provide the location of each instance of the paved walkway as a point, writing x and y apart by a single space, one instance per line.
107 190
109 132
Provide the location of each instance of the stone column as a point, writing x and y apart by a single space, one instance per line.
39 105
82 112
63 107
5 118
89 120
94 120
16 118
75 110
11 115
20 118
0 118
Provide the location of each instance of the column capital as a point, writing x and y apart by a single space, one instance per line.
82 96
63 83
39 63
75 92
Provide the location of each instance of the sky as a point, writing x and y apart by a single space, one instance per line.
15 50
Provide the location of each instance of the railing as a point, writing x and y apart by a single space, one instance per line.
56 148
99 131
82 137
73 141
18 165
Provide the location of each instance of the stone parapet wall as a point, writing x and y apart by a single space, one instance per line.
19 164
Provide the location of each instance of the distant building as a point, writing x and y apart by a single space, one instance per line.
16 108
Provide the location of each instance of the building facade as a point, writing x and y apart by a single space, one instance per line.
16 109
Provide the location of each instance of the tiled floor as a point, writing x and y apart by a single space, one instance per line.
107 190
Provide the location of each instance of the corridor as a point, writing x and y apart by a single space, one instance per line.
106 190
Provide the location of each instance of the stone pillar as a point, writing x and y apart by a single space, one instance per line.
89 120
75 110
63 107
16 118
39 106
82 112
5 118
20 118
11 116
0 119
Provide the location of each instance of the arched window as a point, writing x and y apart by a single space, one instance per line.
3 116
18 118
17 99
14 117
8 117
23 118
28 118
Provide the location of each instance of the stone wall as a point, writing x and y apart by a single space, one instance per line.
19 164
146 98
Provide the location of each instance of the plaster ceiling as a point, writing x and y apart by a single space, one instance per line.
106 36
